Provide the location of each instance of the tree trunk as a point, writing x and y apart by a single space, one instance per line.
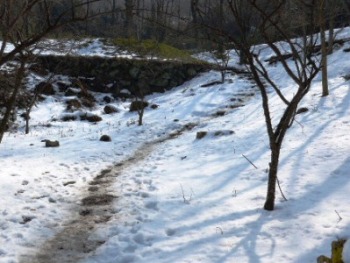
113 11
324 51
11 104
332 7
140 122
272 179
129 19
27 123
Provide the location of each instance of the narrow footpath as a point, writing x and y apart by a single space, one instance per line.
97 207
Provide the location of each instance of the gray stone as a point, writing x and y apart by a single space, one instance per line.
105 138
49 143
109 109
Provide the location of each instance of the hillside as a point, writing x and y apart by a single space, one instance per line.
169 197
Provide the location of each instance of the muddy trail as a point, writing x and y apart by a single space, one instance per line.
97 207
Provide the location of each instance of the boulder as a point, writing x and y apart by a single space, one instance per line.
73 105
105 138
90 117
49 143
45 88
201 135
109 109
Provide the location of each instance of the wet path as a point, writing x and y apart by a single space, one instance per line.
96 208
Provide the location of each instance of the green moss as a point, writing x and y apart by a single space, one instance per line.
152 48
337 250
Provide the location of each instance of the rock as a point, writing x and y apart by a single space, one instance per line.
45 88
51 200
88 102
134 72
105 138
38 69
160 82
154 106
49 143
191 72
223 133
71 92
90 117
201 135
107 99
219 113
27 218
109 109
62 86
138 105
69 117
73 105
121 73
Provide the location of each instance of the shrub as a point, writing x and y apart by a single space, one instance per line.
138 105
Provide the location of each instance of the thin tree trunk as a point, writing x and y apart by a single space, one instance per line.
129 20
272 181
11 104
324 51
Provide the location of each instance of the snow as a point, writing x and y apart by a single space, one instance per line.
186 199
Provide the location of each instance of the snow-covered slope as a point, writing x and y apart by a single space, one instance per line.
189 200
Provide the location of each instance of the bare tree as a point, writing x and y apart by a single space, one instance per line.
299 64
25 23
302 70
129 17
324 50
19 73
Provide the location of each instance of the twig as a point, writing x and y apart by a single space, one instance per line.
302 126
340 218
234 193
249 161
186 201
220 229
279 186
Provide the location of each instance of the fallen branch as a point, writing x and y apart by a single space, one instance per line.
220 229
279 186
249 161
340 218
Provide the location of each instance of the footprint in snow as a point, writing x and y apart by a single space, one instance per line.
144 195
152 205
130 249
152 188
170 232
25 182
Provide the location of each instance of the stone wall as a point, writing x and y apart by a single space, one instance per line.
114 75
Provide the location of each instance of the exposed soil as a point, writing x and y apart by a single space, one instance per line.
97 206
72 243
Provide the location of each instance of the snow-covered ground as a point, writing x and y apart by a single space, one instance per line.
189 200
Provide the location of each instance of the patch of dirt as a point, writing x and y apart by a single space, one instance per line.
98 200
73 242
97 207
